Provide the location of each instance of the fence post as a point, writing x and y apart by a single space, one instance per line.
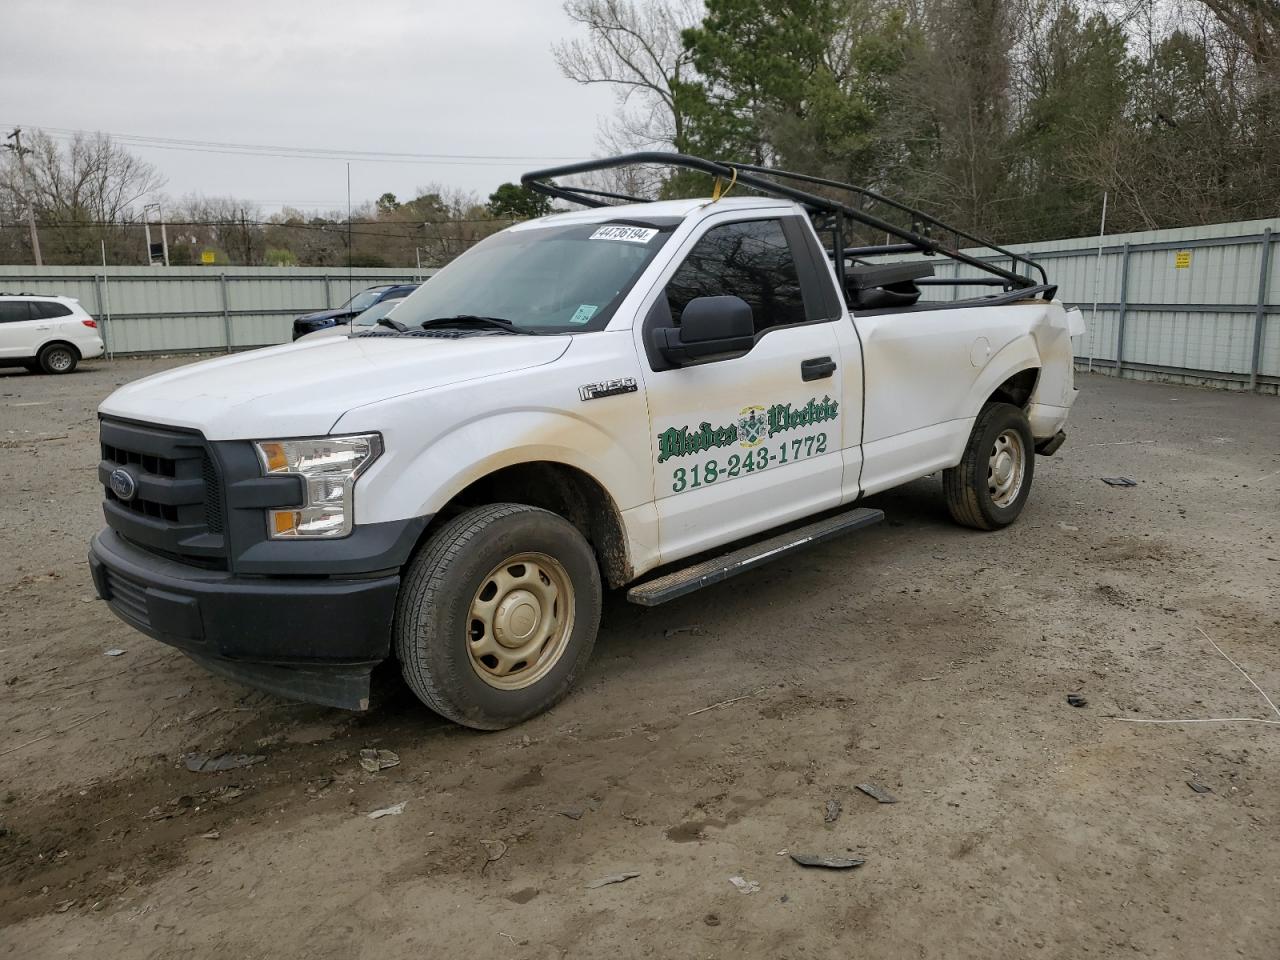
1260 315
226 310
328 297
1124 305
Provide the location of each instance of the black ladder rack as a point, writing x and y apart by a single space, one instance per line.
765 180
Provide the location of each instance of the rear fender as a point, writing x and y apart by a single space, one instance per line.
1016 356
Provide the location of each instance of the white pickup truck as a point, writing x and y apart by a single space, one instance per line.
653 396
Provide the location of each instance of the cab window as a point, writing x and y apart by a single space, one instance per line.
750 259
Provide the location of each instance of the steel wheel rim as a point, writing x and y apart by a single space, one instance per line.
1006 468
520 621
59 360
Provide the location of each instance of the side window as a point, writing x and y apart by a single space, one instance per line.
48 310
752 260
13 311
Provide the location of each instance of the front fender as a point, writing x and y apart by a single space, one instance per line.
418 479
485 446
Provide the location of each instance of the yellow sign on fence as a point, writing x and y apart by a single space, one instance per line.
1182 260
208 256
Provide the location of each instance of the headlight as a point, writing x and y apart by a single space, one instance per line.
329 467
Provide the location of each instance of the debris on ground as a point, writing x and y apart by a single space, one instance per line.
1199 787
573 813
612 878
114 652
394 810
877 793
375 760
203 763
744 885
211 835
693 628
1120 481
493 850
831 863
832 811
1077 700
723 703
711 920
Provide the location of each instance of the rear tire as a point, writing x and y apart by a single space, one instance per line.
58 358
989 487
497 615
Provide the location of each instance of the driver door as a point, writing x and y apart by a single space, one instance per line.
749 442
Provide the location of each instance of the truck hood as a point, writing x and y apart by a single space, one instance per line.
302 389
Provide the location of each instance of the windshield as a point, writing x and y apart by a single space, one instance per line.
364 299
376 312
553 279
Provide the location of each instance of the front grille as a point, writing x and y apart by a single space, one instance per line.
213 495
177 509
128 596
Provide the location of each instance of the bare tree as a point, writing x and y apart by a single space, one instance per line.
82 192
635 47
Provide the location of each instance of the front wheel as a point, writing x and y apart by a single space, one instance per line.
497 615
989 487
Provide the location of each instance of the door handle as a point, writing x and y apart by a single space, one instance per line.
817 368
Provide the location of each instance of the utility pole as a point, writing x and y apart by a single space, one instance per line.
21 154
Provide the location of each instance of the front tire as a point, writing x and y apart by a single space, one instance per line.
497 615
989 487
58 358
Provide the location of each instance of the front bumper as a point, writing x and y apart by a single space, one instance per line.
315 638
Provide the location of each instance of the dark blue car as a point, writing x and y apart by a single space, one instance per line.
362 301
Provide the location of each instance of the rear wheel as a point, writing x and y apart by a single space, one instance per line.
58 358
497 615
989 487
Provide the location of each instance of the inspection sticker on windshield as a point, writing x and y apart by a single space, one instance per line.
584 313
625 233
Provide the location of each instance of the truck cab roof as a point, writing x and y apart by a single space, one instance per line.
658 212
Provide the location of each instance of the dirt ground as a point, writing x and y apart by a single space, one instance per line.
927 659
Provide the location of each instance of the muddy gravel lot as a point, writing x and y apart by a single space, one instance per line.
931 661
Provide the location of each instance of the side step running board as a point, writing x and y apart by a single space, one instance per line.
706 572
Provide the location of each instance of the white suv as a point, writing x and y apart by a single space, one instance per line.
50 334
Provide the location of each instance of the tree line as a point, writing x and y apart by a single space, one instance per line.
92 198
1011 118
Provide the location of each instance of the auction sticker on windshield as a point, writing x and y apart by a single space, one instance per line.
625 233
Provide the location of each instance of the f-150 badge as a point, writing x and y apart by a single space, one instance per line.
607 388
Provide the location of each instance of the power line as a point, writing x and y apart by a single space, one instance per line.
335 228
304 153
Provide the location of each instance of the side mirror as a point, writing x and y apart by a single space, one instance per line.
709 327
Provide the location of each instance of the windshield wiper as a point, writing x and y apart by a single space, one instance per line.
497 323
393 324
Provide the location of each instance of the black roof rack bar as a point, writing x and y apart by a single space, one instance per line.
878 249
960 282
538 180
613 196
902 207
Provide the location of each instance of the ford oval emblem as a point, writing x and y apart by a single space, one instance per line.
122 484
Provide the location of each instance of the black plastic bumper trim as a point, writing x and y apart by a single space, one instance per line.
1049 446
281 634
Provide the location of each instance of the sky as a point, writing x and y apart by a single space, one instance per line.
468 78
